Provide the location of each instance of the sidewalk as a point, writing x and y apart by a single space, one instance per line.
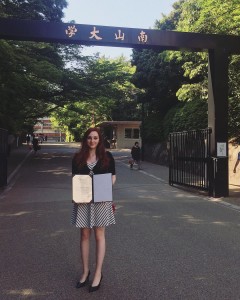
162 174
159 172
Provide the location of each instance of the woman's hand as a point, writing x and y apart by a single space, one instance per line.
113 179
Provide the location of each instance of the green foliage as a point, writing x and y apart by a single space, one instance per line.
192 115
37 79
47 10
159 76
33 81
220 17
30 73
210 16
168 125
170 22
191 69
110 96
190 92
183 116
152 130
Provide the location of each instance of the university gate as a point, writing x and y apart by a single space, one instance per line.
219 47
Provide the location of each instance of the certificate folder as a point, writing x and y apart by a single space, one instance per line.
97 188
102 187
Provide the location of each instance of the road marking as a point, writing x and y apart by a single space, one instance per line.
215 200
153 176
146 173
18 168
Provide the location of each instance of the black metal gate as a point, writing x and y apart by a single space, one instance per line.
3 156
189 159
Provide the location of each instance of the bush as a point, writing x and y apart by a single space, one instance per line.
193 115
184 116
152 131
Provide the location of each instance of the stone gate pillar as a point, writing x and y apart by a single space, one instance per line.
218 119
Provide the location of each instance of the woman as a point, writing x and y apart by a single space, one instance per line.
35 144
136 155
93 159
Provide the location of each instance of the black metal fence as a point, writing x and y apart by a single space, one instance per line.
3 156
189 159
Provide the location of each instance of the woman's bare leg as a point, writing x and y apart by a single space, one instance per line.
85 246
100 253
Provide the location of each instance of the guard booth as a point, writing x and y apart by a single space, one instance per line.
121 134
3 156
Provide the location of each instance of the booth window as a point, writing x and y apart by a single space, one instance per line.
132 133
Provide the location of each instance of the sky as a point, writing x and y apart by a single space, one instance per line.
125 13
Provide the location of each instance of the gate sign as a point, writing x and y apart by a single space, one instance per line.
221 149
69 33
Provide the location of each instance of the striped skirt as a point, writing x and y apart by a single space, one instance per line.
89 215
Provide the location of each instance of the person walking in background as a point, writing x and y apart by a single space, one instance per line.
28 139
31 139
136 156
36 147
92 159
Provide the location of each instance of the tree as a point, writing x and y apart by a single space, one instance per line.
111 96
30 73
191 69
50 10
210 16
216 17
160 75
39 78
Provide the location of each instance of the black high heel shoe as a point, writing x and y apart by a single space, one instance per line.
82 284
95 288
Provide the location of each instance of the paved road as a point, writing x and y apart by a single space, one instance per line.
167 244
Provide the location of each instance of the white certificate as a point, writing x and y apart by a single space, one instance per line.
82 189
102 187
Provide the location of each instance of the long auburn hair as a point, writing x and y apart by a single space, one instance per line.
82 156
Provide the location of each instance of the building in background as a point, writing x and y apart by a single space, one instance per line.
121 134
44 129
